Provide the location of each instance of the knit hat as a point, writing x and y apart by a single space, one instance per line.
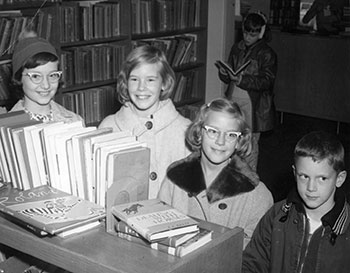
27 48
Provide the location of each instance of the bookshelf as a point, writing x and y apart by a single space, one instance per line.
179 28
94 37
98 251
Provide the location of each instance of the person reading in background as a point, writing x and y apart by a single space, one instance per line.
252 89
36 77
309 231
145 84
214 183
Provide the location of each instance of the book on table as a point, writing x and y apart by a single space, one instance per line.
199 239
122 229
46 210
153 219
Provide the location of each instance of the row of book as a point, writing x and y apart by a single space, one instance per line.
92 104
5 77
87 64
157 225
164 15
179 50
186 87
12 23
11 2
82 161
189 111
89 20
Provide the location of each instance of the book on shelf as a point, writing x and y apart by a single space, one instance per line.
104 154
46 210
48 135
6 151
21 155
127 178
199 239
173 241
154 219
222 65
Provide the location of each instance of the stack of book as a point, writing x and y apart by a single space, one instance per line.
45 210
157 225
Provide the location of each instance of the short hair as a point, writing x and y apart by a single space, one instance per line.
320 145
254 22
194 131
150 55
36 60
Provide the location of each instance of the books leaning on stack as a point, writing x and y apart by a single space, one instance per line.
157 225
82 161
45 210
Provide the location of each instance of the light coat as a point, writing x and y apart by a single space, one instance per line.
164 133
235 198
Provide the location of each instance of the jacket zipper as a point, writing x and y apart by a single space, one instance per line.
300 267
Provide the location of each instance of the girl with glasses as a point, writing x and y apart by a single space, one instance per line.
36 77
215 183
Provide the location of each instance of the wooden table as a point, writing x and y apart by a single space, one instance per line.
98 251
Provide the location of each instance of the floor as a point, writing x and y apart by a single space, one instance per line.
276 150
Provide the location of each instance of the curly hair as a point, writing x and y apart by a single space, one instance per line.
194 131
145 54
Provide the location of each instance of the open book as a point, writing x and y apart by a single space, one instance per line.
222 65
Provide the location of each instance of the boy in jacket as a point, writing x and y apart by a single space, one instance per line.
309 231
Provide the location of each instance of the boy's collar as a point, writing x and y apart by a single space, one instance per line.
336 218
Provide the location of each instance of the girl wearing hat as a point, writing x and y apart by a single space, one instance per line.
36 76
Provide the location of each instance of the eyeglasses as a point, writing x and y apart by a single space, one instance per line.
38 78
213 133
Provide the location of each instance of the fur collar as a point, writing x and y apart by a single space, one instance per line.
237 177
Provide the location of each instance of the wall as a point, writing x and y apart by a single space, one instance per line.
220 40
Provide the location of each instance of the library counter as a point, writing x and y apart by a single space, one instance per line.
313 75
98 251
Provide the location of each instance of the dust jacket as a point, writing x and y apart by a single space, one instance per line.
46 210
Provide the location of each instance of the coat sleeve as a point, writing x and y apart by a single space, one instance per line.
166 191
261 202
108 122
266 73
256 256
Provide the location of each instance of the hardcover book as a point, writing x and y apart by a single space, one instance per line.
46 210
154 219
173 241
222 65
127 179
201 238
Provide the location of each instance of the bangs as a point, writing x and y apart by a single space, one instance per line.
252 29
